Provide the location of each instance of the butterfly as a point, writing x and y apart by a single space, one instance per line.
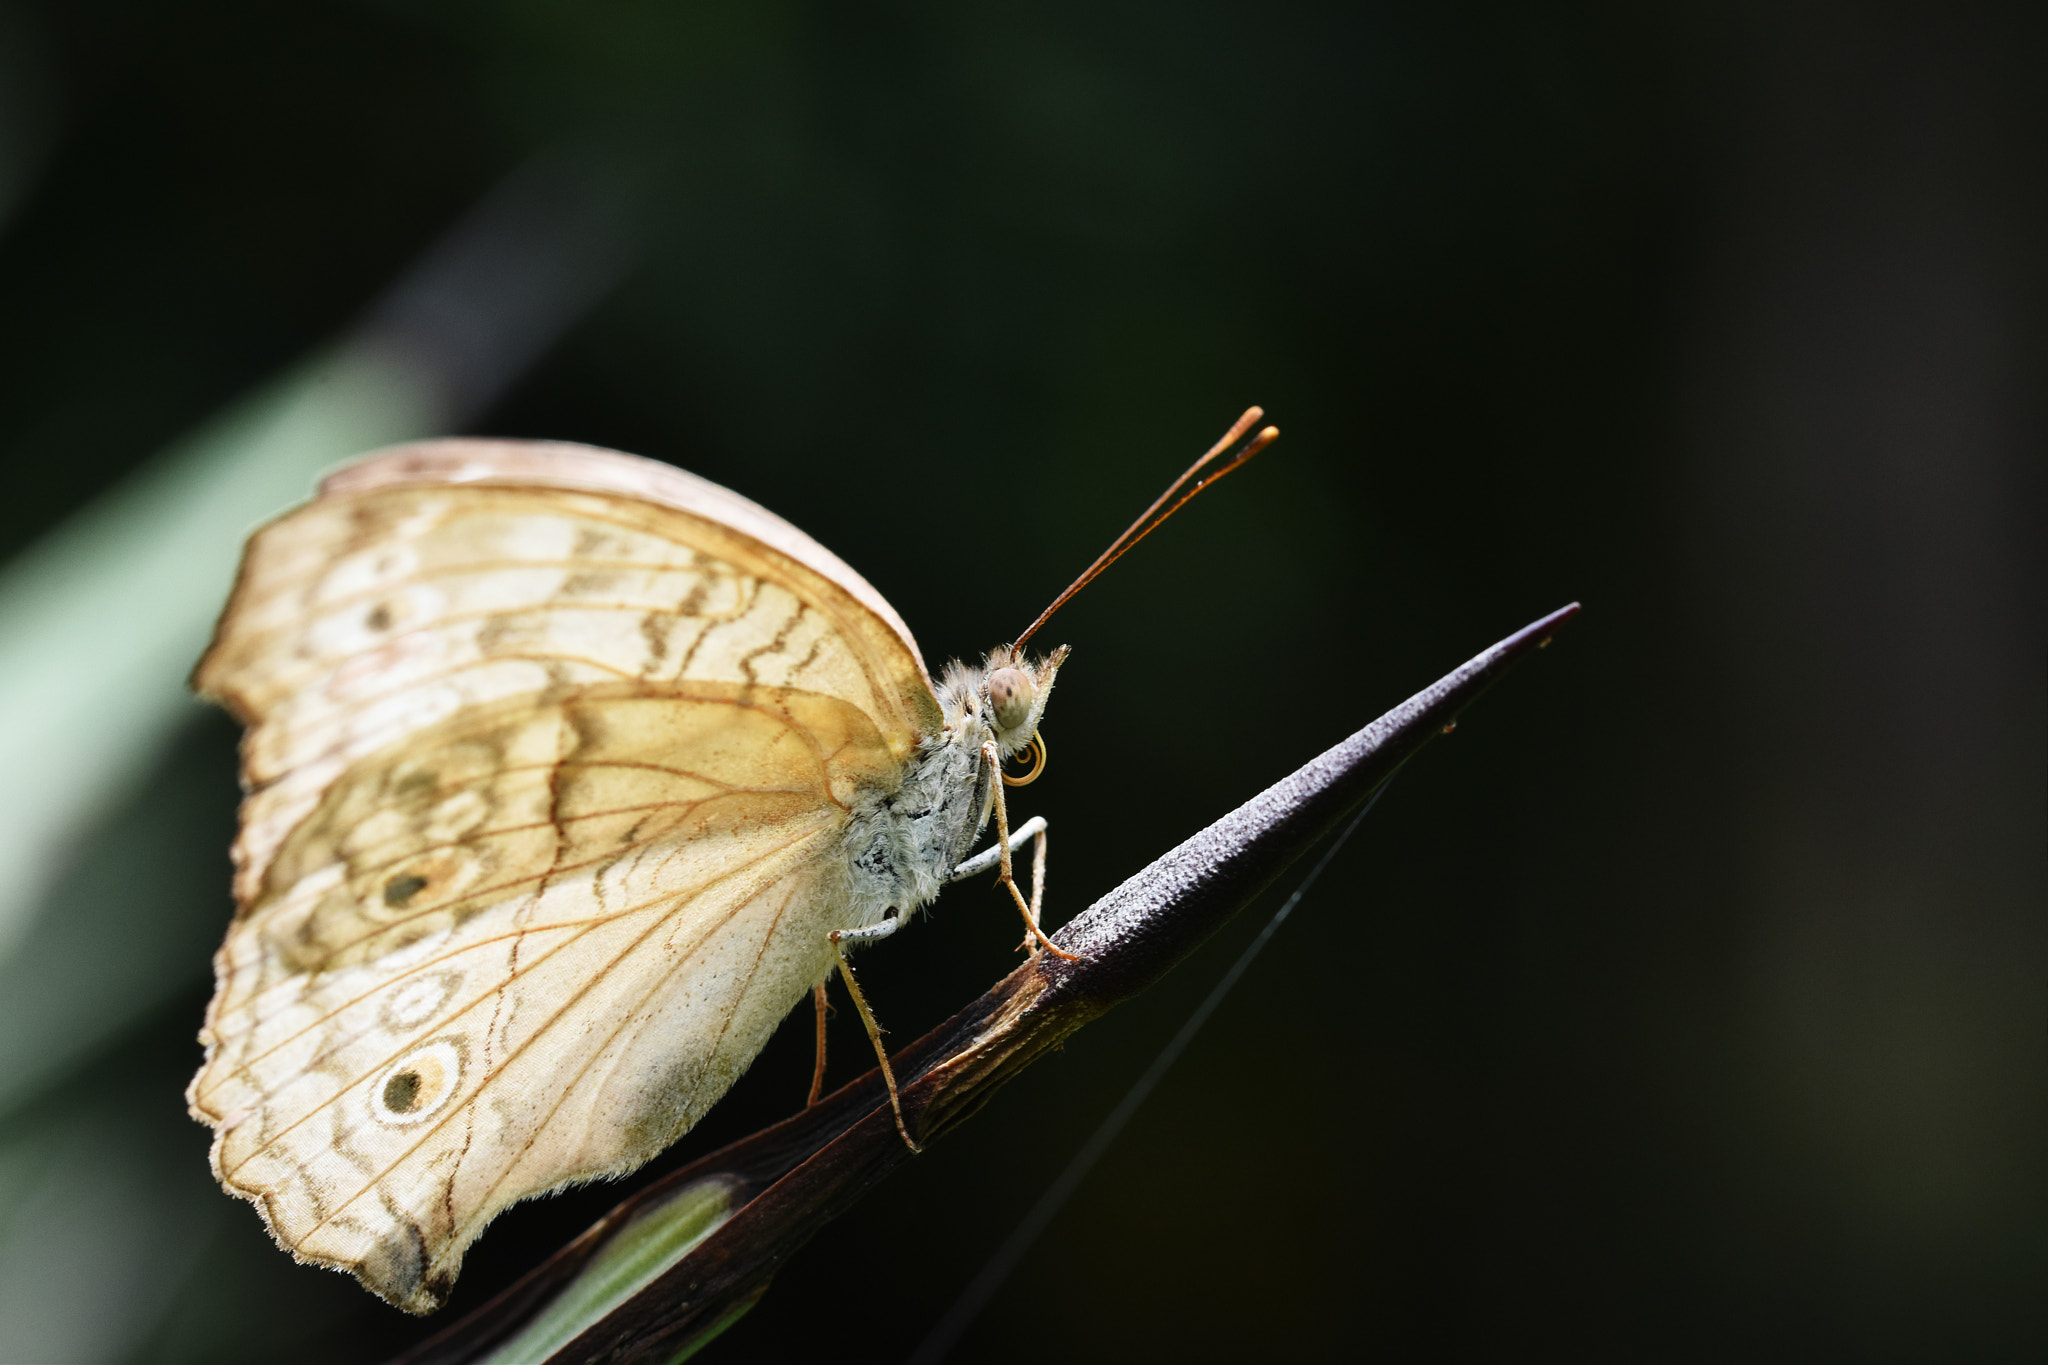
568 775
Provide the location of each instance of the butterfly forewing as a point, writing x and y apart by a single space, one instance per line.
546 786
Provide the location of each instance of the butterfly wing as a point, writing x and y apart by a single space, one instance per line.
549 754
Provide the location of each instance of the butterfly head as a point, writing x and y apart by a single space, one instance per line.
1014 692
1004 698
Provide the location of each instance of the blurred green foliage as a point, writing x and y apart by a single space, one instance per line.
1688 1003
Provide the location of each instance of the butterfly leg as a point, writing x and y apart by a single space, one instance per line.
841 937
993 856
823 1008
1037 892
1028 909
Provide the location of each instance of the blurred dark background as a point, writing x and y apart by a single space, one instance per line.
1688 1002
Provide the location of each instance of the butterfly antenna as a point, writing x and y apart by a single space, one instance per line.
1153 517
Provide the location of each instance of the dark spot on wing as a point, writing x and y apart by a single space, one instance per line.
418 782
403 888
654 631
402 1092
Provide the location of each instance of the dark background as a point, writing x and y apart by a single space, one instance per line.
1689 1002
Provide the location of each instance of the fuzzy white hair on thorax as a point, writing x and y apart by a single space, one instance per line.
900 846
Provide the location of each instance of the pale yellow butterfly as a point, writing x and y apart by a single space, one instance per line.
568 774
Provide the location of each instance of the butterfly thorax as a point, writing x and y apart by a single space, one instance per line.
901 846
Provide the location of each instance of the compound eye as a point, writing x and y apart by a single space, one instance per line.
1010 691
